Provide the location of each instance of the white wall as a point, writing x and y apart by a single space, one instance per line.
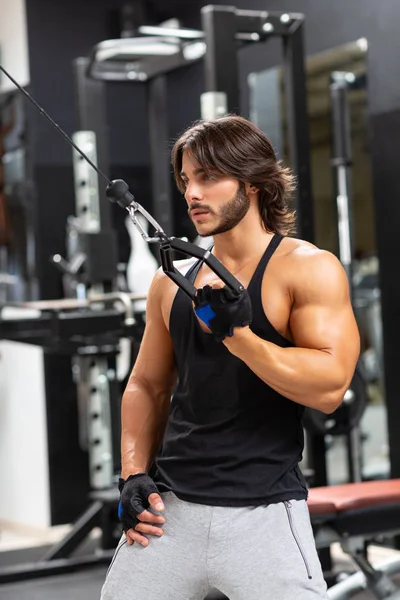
13 43
24 471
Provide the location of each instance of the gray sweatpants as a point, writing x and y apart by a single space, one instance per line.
252 553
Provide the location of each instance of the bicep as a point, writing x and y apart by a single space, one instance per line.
322 317
155 363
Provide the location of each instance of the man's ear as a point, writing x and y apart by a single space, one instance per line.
251 189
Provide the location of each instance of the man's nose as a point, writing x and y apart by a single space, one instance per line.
193 193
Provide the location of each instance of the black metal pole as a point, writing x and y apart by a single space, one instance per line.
341 164
298 135
220 62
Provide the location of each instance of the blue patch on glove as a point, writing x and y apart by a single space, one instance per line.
205 314
120 510
222 310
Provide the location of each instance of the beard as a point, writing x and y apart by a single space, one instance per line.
230 214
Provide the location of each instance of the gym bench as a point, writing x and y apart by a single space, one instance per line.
353 514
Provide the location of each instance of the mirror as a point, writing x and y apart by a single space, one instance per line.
267 110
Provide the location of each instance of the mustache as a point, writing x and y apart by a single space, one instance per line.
200 207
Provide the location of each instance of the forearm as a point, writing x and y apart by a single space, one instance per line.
309 377
144 417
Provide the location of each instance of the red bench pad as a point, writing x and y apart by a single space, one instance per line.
340 498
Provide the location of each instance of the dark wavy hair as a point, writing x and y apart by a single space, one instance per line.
235 147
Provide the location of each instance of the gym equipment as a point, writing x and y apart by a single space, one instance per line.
341 163
221 26
367 307
267 109
118 192
346 417
357 512
225 30
345 420
354 514
5 128
89 330
17 244
364 273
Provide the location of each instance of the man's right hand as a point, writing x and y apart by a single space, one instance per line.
138 493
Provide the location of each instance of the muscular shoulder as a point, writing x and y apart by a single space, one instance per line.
313 272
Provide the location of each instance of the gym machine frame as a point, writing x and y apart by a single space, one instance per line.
222 26
225 30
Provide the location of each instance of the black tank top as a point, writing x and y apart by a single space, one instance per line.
231 440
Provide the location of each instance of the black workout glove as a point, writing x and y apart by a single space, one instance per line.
222 310
135 492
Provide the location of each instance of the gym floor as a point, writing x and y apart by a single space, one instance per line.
17 547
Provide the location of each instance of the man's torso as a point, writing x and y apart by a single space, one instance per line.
231 439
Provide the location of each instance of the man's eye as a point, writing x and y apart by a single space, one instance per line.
184 182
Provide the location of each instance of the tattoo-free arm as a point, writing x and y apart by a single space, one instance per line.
146 400
318 371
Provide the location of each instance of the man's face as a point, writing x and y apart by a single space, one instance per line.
216 203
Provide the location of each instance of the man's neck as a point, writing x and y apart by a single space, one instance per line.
241 244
